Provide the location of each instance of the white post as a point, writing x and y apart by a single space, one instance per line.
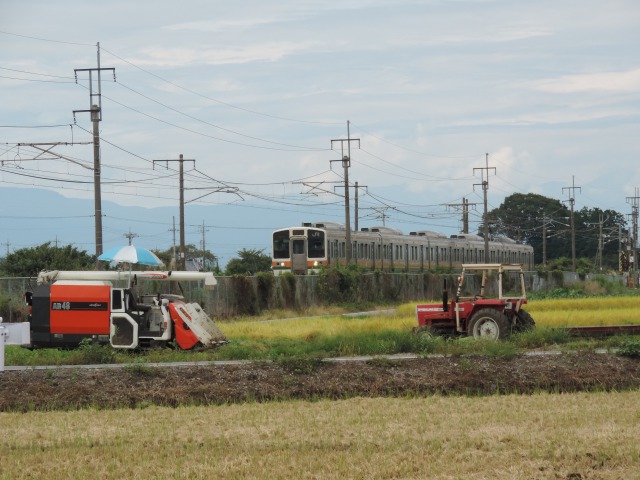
2 336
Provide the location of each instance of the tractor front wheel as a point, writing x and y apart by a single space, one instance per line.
490 324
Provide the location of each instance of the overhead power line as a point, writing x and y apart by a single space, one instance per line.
45 39
219 101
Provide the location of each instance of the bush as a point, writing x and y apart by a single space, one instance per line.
246 301
266 281
92 353
339 284
629 347
12 308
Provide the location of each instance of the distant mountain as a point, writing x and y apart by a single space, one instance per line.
32 216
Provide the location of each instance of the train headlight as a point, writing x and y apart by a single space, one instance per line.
315 264
282 264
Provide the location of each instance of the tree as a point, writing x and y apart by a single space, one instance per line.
521 217
191 253
250 261
588 230
28 262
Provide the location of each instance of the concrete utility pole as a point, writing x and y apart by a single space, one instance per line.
346 163
130 236
544 242
355 219
204 250
485 217
633 241
355 187
173 258
600 242
465 212
572 189
95 104
181 161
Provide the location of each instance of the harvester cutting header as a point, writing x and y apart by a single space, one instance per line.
67 307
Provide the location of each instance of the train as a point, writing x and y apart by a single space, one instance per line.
312 246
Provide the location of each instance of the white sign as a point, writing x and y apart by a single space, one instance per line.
13 334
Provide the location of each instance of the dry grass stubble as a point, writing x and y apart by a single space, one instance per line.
580 436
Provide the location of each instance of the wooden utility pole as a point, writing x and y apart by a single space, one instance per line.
180 161
485 217
346 163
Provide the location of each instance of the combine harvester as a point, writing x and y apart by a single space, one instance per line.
68 307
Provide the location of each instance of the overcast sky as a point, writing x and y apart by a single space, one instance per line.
255 91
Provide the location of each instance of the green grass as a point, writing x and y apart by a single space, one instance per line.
336 335
322 346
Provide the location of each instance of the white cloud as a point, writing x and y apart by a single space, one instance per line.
180 57
623 82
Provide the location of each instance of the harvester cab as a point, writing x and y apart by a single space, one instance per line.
68 307
487 303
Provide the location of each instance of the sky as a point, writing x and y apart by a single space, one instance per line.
544 93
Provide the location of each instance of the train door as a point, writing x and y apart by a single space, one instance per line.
299 256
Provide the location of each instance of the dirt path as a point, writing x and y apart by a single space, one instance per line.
142 385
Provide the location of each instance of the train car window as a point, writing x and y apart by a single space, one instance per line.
281 244
316 243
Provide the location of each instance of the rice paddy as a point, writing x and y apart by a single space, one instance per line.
542 436
546 313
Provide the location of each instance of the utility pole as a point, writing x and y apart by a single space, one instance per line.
95 104
600 242
173 258
8 245
465 213
130 236
382 213
633 241
203 247
544 240
355 220
181 161
357 187
346 163
485 217
572 189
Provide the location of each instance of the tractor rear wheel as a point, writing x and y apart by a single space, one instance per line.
490 324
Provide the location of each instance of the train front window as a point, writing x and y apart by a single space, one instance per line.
281 244
316 243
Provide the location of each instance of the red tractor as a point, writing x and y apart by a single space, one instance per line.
473 313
